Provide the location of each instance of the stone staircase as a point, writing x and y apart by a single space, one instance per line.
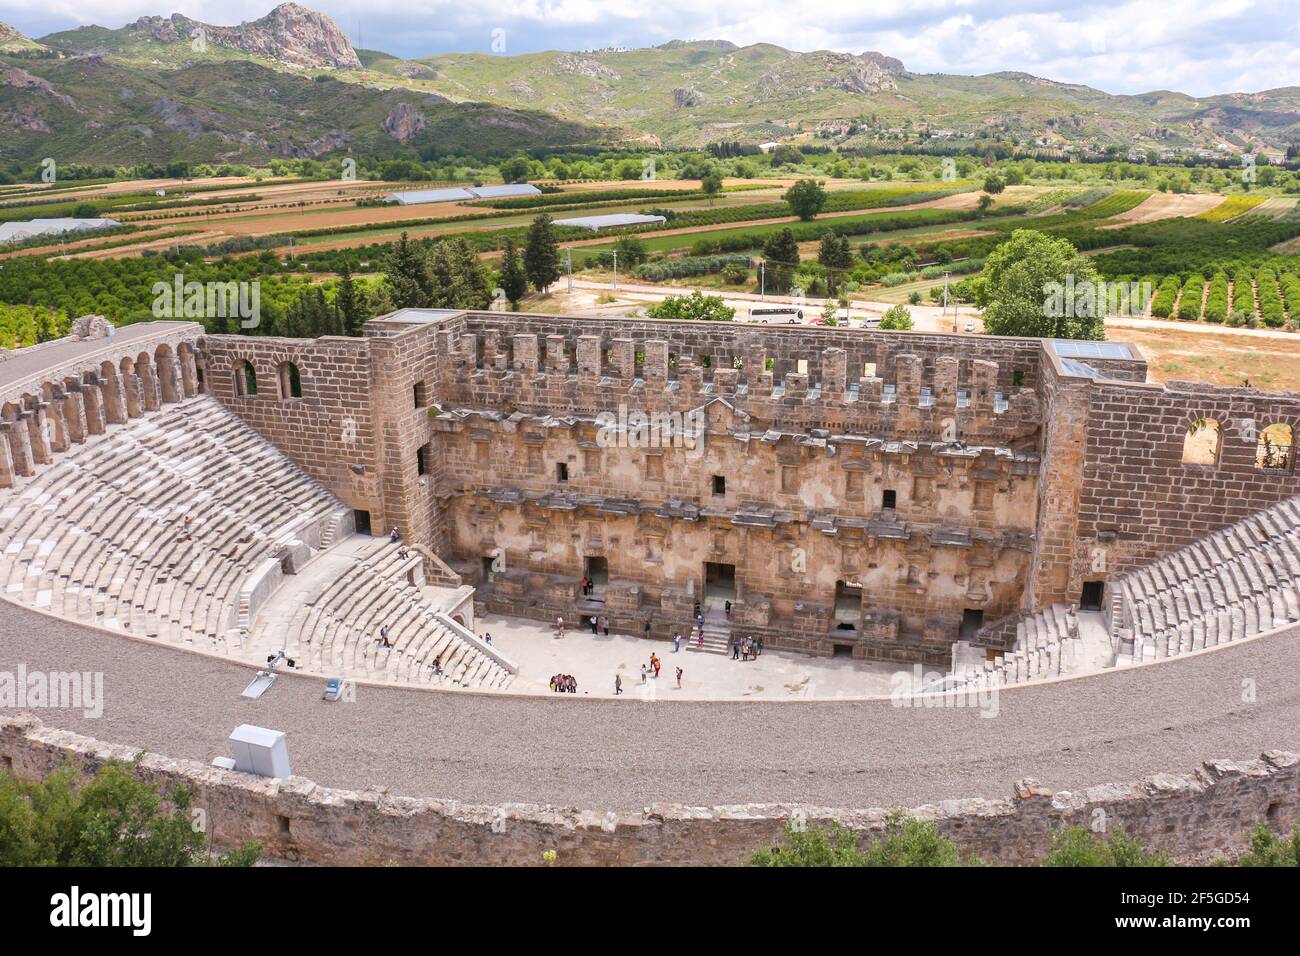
1237 582
1047 645
717 639
336 630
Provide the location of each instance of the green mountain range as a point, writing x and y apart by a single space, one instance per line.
290 84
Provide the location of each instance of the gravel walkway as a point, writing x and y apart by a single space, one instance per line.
627 754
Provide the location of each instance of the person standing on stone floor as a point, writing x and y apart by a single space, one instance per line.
679 678
618 685
604 624
677 642
383 636
594 625
643 673
735 649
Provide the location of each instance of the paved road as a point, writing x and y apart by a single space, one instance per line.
627 754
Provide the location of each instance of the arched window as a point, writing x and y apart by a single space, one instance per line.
245 380
1274 449
1201 443
290 381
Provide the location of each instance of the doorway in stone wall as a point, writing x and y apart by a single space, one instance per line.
597 569
972 619
719 585
848 606
1094 592
361 521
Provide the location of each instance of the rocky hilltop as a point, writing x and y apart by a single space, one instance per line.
290 33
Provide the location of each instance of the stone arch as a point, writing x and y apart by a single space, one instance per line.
1274 449
289 378
245 378
1202 441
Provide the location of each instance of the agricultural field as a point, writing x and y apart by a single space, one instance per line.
1212 258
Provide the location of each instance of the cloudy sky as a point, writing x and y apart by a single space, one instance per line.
1123 46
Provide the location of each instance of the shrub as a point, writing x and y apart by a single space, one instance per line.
897 319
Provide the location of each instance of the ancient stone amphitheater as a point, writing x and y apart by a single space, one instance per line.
1109 570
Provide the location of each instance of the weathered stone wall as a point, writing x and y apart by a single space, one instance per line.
1197 817
1138 499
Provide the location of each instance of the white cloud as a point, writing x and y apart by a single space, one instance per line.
1196 46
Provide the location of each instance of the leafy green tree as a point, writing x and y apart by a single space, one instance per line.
806 198
781 256
351 307
695 307
631 251
114 819
514 170
836 255
712 185
513 281
1078 847
994 184
1022 289
984 204
44 327
786 155
541 254
897 318
406 276
458 278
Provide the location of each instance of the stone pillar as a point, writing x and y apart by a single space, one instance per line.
134 392
469 350
984 383
624 359
150 397
589 363
907 378
19 445
92 400
491 346
113 399
526 353
945 384
655 370
835 371
189 375
169 379
38 433
7 475
74 408
56 414
557 359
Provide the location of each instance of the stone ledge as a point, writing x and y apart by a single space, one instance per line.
1196 817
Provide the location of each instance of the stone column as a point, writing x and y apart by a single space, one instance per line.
557 359
92 400
18 442
113 399
56 415
38 433
624 360
835 371
589 358
655 370
7 474
189 374
149 394
526 354
134 394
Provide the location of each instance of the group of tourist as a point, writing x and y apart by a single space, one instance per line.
650 670
601 624
564 684
746 648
